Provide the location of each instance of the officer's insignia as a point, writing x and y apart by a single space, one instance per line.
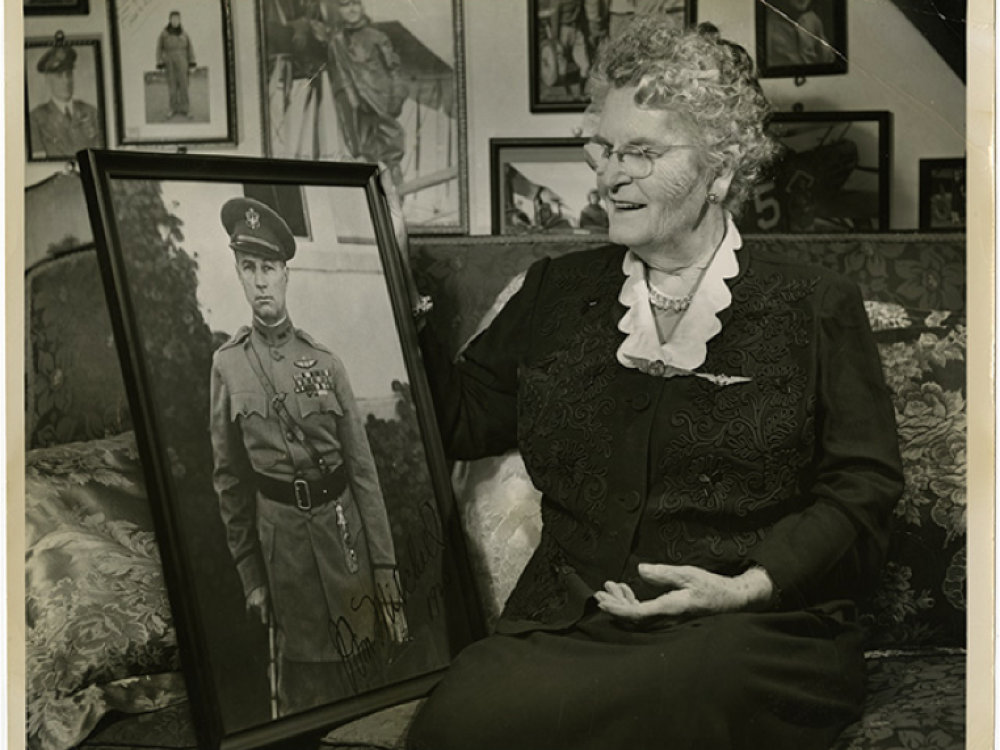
253 218
314 383
305 364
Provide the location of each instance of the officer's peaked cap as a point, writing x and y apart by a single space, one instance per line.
58 59
255 228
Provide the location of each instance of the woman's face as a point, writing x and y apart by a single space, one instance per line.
667 205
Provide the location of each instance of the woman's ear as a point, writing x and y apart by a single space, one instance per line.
724 174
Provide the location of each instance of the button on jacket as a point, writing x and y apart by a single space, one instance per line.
796 469
300 554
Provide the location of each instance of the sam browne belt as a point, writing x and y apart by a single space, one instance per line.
303 493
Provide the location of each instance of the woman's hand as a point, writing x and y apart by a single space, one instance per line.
691 592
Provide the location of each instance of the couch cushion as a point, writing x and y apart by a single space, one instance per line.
73 377
169 728
913 701
921 600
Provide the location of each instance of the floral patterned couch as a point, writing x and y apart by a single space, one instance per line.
102 661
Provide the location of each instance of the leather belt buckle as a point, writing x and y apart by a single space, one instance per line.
303 498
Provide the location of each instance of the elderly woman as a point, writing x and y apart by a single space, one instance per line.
712 436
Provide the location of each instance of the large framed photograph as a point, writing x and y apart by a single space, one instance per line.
311 549
942 195
63 97
800 38
832 175
543 185
564 37
173 72
373 81
56 7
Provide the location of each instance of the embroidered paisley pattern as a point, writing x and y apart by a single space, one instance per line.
541 589
739 453
562 393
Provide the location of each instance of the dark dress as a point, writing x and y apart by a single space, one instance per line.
796 470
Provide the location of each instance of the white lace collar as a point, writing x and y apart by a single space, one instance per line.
686 349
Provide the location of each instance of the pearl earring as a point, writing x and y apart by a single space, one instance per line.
713 198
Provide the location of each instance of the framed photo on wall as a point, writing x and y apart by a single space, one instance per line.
63 97
543 185
372 81
173 72
56 7
564 37
311 551
832 175
800 38
942 195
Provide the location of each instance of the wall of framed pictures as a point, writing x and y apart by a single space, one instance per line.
890 67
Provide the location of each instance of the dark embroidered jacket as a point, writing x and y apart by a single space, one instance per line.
797 470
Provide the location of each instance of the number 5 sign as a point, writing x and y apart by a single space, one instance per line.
832 175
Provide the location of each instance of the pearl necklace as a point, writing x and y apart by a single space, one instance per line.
665 302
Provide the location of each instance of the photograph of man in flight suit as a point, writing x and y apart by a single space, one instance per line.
297 486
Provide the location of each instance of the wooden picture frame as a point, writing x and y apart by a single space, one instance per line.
394 94
559 62
173 87
833 175
943 195
52 133
543 186
56 7
801 38
181 318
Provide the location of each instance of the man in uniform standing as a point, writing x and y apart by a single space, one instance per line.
175 56
63 125
297 486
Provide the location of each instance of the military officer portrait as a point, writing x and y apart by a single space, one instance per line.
60 121
297 487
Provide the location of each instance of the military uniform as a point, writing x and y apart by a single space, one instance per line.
175 54
300 497
60 130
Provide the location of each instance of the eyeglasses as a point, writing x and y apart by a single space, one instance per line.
635 161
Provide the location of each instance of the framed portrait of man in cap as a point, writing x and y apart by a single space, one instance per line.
64 98
173 71
303 506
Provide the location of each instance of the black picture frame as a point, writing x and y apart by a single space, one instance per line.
832 175
543 186
794 43
56 7
943 195
416 124
47 136
173 95
557 79
172 292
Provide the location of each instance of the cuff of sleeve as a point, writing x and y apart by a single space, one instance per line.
251 570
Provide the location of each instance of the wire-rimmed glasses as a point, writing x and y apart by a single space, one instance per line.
636 161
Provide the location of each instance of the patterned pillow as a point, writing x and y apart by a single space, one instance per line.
921 599
99 632
499 506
